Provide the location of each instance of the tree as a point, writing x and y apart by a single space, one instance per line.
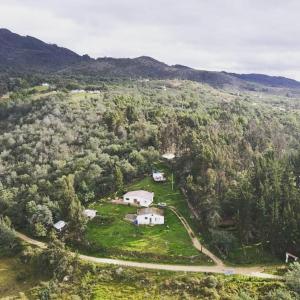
224 241
118 175
9 243
71 207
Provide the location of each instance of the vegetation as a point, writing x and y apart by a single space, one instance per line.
16 278
109 234
237 165
237 162
9 244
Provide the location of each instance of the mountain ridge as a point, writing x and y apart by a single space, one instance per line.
26 54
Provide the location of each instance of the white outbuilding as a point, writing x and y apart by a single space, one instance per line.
158 176
140 198
59 226
90 213
150 216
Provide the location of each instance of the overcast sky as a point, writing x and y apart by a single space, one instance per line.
245 36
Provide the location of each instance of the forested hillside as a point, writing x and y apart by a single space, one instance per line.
237 156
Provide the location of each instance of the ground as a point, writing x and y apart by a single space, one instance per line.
167 243
15 277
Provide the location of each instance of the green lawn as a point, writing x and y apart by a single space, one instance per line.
169 242
15 278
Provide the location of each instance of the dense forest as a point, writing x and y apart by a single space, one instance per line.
237 155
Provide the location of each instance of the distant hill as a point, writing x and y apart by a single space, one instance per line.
25 54
272 81
147 67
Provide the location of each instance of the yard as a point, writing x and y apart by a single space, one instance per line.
165 243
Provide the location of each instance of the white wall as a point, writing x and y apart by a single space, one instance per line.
145 219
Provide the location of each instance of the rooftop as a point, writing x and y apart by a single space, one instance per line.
140 194
151 210
59 225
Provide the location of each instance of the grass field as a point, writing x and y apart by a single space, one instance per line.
123 291
15 278
169 242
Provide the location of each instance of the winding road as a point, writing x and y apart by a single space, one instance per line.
219 268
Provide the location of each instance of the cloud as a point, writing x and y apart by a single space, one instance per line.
233 35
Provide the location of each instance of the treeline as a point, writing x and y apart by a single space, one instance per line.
242 171
57 154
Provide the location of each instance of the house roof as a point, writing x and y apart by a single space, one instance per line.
140 194
90 212
150 210
168 155
59 225
157 174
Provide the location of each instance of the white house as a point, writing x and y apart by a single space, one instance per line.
90 213
158 176
150 216
60 225
168 156
141 198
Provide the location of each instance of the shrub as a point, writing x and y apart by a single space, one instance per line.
292 277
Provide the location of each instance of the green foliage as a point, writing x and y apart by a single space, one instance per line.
9 244
56 261
237 155
292 277
224 241
279 294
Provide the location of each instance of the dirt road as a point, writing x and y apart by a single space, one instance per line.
221 269
195 240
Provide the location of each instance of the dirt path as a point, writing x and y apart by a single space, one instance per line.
195 240
220 269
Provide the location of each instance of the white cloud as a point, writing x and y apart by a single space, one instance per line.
232 35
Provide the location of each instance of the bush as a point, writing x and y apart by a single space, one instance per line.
279 295
9 244
211 282
292 277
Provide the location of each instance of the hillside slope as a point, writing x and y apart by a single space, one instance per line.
26 53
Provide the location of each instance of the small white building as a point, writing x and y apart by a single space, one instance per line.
77 91
45 84
59 226
141 198
150 216
158 176
168 156
90 213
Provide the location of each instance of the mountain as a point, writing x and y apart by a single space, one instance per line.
26 54
147 67
272 81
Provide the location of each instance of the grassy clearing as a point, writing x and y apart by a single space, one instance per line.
169 242
15 278
166 243
252 255
123 291
139 284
